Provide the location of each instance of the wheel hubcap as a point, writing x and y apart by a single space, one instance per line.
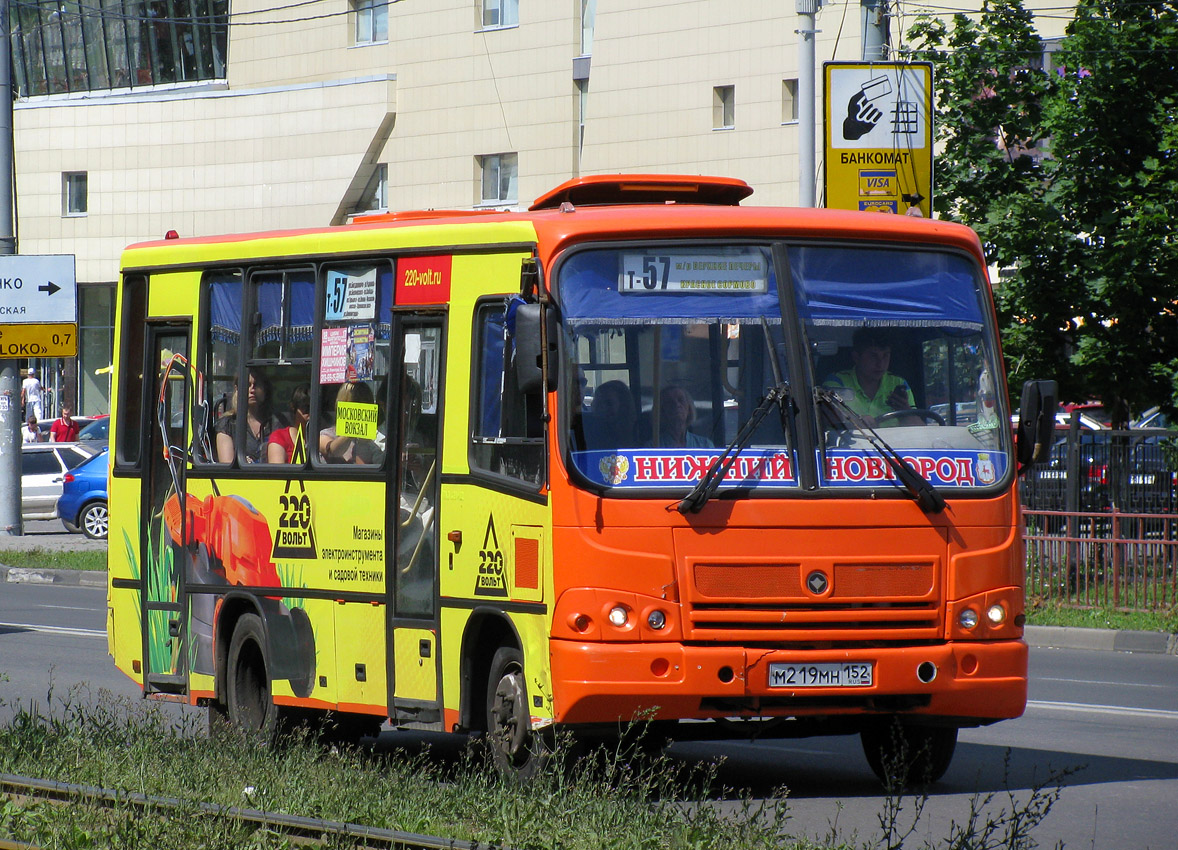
509 714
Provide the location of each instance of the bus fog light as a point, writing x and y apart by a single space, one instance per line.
996 614
618 615
656 619
968 618
581 623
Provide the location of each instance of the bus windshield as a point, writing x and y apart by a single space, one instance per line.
670 349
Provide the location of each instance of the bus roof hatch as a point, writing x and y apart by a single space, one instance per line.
610 189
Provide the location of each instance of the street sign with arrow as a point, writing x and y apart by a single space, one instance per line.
38 306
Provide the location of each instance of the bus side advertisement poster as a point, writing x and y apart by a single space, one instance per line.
423 280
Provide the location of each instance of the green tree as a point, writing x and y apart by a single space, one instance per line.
1070 177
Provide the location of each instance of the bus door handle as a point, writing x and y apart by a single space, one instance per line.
454 537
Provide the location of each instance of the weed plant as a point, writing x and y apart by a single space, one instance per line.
39 558
618 796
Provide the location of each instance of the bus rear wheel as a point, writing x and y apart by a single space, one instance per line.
247 685
515 749
906 755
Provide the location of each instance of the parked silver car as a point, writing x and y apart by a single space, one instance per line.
43 466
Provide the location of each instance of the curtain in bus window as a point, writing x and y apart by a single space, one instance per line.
837 286
270 309
490 416
592 284
302 308
225 311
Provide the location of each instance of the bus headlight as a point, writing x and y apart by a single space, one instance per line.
656 619
996 614
618 615
968 619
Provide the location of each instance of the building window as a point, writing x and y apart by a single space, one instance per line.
500 13
96 314
723 107
372 21
73 193
789 101
376 193
77 47
588 18
500 174
583 104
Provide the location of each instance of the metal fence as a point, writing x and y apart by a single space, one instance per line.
1102 521
1103 559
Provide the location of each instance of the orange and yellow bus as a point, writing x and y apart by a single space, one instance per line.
614 456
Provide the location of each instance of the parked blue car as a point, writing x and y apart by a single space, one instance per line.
82 506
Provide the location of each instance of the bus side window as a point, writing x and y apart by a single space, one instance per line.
221 365
501 442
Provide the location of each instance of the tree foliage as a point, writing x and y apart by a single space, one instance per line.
1070 177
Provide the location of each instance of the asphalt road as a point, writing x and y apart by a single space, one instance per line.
1111 717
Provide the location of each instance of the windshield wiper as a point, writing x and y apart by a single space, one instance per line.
694 501
924 493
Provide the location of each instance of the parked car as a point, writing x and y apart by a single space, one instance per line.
1111 469
43 469
1155 417
96 431
83 503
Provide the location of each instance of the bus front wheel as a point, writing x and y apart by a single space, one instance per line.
247 690
515 749
907 755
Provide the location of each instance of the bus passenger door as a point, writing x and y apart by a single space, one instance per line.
162 562
413 499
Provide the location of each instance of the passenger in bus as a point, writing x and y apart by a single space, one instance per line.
611 418
868 388
340 448
260 423
676 416
281 447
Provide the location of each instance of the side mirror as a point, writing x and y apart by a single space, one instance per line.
535 328
1036 422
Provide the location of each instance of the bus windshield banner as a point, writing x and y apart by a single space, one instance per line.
685 467
853 468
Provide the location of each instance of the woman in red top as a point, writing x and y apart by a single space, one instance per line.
281 447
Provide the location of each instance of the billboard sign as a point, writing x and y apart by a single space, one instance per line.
878 119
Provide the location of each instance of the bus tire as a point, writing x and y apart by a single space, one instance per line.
903 755
515 750
247 681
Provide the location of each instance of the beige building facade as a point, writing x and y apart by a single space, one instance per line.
312 112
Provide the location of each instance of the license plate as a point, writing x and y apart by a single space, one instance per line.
1140 479
824 675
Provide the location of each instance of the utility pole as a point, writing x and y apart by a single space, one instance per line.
10 409
874 19
807 122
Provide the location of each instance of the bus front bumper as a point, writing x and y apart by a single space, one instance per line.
973 682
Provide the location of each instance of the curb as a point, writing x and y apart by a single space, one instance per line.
69 578
1039 637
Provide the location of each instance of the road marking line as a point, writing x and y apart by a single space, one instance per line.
1100 682
56 630
1087 708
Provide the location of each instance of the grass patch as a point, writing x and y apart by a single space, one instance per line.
48 559
1043 612
615 799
